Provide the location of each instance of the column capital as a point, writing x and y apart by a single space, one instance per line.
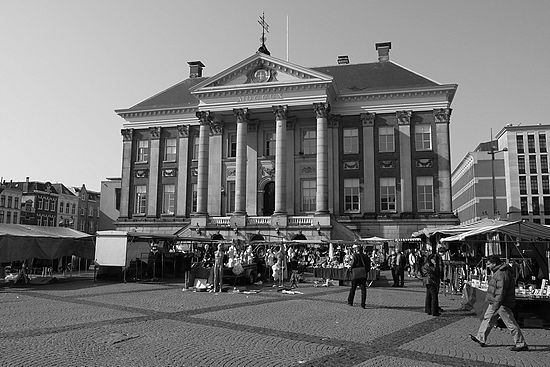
127 134
155 132
216 128
321 110
334 121
204 117
183 131
241 114
403 117
442 115
367 118
280 112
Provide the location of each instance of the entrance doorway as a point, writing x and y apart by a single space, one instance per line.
269 199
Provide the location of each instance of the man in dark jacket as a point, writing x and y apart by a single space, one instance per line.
359 260
502 298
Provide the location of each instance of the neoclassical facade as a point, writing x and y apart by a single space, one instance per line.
271 148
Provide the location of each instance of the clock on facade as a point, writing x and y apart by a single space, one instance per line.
262 75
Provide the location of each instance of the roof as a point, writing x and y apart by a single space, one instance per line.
353 78
349 78
175 96
518 229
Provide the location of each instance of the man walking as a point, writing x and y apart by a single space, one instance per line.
502 298
359 260
400 265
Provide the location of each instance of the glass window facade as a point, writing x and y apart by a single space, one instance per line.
351 195
423 137
140 199
351 141
387 194
386 139
425 193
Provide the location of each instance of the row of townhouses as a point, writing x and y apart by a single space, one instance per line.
49 204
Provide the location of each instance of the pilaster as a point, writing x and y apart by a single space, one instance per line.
127 137
154 156
405 192
183 165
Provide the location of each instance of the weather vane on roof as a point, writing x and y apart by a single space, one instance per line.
265 28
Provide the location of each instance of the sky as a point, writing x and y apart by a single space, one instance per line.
66 65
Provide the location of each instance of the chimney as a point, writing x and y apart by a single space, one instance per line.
383 51
195 69
26 185
344 59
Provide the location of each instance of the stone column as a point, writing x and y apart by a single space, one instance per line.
215 169
183 167
240 162
202 161
280 159
127 135
441 117
321 111
368 201
404 122
154 154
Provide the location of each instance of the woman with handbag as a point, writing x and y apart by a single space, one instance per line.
360 267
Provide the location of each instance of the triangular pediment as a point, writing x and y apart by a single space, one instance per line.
261 70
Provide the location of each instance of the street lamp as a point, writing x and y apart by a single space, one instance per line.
494 150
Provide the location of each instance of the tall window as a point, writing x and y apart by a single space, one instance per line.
386 139
143 151
423 137
351 195
309 192
232 145
16 203
545 185
542 143
351 141
309 141
523 205
170 149
73 209
522 185
3 200
533 164
546 203
519 143
46 204
195 152
194 197
67 208
387 194
521 164
544 163
15 218
425 191
270 139
1 216
534 185
168 199
9 201
40 203
536 205
8 217
140 203
230 194
531 143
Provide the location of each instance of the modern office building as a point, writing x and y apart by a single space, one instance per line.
472 183
270 148
522 179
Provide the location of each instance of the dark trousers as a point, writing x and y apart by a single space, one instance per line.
394 276
362 283
400 277
432 301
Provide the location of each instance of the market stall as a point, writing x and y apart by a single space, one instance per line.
522 245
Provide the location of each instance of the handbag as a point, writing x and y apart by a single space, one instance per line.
360 272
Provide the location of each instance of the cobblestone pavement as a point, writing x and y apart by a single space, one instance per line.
82 323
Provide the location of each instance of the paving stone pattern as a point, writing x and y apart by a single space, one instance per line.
82 323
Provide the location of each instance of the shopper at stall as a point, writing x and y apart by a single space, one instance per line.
502 298
432 277
400 265
218 268
360 260
412 264
393 267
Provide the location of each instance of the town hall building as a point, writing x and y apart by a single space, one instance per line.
270 149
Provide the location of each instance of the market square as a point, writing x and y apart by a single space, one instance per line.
86 323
